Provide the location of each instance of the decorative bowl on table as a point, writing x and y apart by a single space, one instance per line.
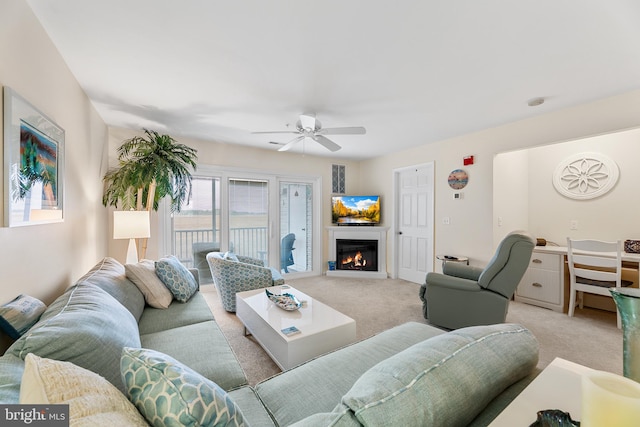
554 418
285 301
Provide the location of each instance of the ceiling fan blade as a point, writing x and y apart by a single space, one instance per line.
326 143
277 131
308 121
291 143
353 130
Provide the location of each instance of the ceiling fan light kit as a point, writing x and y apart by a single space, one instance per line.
308 126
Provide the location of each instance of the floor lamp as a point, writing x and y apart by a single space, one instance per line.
131 225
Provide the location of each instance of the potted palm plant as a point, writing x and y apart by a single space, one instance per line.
150 168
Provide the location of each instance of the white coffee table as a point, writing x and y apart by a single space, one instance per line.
322 328
559 386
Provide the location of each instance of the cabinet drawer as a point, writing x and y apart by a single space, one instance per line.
545 261
541 285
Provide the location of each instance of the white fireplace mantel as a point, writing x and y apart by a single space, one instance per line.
361 233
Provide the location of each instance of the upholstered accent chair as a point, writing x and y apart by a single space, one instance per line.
236 273
200 251
286 252
468 296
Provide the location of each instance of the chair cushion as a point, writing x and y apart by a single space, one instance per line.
17 316
429 383
176 277
143 275
92 400
603 283
169 393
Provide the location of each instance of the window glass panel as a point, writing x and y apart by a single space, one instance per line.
248 218
196 228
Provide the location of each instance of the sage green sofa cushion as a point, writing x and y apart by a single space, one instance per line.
85 326
11 369
176 315
253 411
203 348
341 416
446 380
317 385
110 276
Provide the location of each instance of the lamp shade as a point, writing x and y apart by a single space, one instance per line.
131 224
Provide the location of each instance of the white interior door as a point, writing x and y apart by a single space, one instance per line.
414 216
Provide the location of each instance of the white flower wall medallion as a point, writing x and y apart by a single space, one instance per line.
585 176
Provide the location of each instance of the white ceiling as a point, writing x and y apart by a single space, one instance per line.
410 71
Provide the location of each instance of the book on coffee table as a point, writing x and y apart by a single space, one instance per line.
291 330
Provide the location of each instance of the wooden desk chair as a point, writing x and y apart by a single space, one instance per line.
594 267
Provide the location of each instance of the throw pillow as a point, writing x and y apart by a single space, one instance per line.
143 274
169 393
85 326
17 316
429 382
177 278
92 400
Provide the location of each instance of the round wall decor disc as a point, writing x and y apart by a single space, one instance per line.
458 179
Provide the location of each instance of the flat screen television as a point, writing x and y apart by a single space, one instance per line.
355 210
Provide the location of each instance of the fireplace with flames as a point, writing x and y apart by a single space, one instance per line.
359 255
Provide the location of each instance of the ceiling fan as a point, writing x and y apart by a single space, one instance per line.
308 126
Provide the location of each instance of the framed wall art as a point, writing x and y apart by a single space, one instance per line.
33 164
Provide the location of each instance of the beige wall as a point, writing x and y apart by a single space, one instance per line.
43 260
611 216
235 156
472 220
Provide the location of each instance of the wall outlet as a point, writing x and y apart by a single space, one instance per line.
499 221
573 224
446 220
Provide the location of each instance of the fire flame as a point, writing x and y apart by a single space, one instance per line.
357 260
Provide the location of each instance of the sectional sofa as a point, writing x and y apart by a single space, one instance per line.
413 374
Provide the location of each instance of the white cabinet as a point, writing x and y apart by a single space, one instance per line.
543 282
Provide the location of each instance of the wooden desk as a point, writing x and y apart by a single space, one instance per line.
559 386
546 281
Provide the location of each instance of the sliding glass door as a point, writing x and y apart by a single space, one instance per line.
296 226
249 217
266 217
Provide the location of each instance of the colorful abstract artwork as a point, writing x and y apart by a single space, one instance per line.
34 164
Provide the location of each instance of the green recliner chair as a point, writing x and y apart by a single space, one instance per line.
468 296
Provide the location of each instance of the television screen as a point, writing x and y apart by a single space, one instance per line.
355 210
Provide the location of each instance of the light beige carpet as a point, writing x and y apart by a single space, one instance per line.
590 338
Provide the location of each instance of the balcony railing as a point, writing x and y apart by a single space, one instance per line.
248 241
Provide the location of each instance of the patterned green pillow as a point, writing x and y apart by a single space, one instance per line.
169 393
177 278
